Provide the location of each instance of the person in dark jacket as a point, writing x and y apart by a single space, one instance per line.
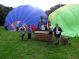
29 30
57 32
40 22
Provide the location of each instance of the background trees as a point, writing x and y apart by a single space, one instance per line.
52 9
3 13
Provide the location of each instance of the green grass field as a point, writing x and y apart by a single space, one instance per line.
11 47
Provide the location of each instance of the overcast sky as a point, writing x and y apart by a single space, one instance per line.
43 4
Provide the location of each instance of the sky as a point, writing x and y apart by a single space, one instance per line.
42 4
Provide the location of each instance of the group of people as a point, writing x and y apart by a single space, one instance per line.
30 28
23 30
41 26
56 32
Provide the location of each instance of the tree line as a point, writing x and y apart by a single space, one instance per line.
52 9
3 13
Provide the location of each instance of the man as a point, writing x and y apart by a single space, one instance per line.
22 30
50 29
29 30
41 21
17 27
42 27
57 33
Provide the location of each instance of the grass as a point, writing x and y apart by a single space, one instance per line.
11 47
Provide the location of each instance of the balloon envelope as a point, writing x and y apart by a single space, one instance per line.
24 15
68 19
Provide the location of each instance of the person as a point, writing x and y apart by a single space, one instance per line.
40 22
22 30
29 30
42 19
45 27
38 26
42 27
50 29
17 27
57 32
26 26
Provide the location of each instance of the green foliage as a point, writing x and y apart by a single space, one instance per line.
3 13
11 47
52 9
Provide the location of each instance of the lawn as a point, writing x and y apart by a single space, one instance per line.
11 47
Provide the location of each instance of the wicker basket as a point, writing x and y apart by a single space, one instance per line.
41 35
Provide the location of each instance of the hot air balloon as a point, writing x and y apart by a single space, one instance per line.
68 19
24 15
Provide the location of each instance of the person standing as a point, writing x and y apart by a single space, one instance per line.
29 30
22 30
42 27
17 27
50 29
57 32
40 22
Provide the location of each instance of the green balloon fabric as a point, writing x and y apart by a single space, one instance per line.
67 17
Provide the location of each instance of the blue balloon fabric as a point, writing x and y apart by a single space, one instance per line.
24 15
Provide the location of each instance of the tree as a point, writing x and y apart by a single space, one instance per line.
52 9
3 13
